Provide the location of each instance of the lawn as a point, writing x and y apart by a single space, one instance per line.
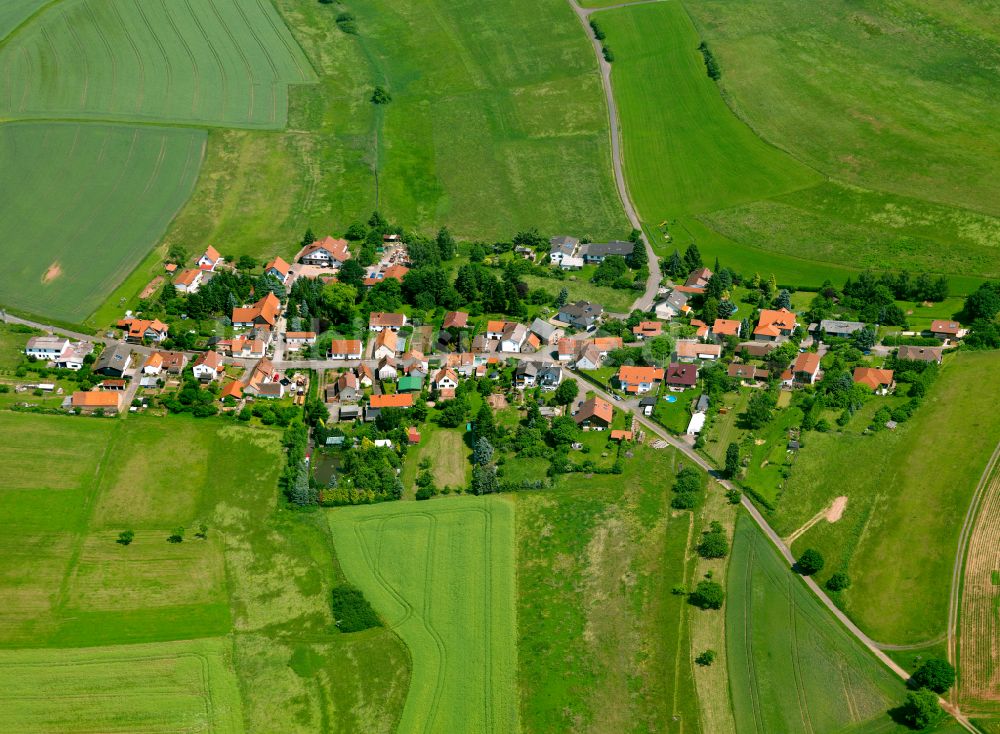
451 602
260 579
792 667
616 300
449 456
872 112
723 429
675 416
697 167
603 644
904 485
118 188
167 686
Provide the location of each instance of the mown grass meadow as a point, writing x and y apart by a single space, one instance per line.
442 576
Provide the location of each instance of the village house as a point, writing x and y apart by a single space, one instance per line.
345 349
279 269
835 328
232 390
415 363
698 279
571 262
774 326
621 435
326 253
920 354
264 312
589 357
387 344
114 361
513 337
210 259
681 376
944 330
647 329
463 363
263 381
494 329
379 321
748 374
700 328
47 348
346 389
243 347
295 340
804 370
396 272
675 304
721 328
395 400
548 334
455 320
445 379
581 315
759 350
386 370
878 380
638 380
189 281
542 374
208 366
562 247
75 357
106 401
594 414
689 350
566 349
137 330
173 363
595 253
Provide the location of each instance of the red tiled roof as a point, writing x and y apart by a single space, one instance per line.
596 408
726 327
943 326
381 318
772 323
872 377
398 400
96 399
629 374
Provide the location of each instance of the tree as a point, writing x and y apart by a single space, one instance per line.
983 303
758 413
482 454
445 244
838 581
385 295
562 298
610 270
692 258
381 96
566 392
351 273
301 493
784 299
864 339
125 537
453 413
707 595
337 301
713 544
921 709
177 536
810 562
485 427
936 674
675 265
246 262
484 480
706 658
732 460
351 610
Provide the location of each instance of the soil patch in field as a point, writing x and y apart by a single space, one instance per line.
52 273
151 287
836 509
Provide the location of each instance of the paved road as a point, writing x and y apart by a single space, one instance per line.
645 301
958 571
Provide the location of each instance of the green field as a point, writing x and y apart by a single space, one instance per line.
118 188
260 581
442 575
15 12
903 485
226 63
704 171
603 645
171 686
792 666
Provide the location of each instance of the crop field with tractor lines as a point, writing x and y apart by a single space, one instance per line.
442 576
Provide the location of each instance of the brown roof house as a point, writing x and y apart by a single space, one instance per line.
595 413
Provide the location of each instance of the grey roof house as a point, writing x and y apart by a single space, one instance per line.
114 360
582 314
597 251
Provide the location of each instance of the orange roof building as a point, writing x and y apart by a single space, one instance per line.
639 379
621 435
647 329
873 377
595 412
774 325
396 400
726 327
263 312
701 328
233 390
97 400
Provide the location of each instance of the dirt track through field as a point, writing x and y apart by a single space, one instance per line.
831 513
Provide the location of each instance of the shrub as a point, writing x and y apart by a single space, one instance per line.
935 674
921 709
609 55
599 34
346 23
177 536
707 595
838 582
713 545
810 562
734 496
125 537
711 65
351 611
706 658
381 96
425 493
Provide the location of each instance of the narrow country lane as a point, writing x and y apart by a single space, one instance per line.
645 301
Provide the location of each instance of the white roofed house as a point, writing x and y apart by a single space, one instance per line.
562 247
47 348
74 357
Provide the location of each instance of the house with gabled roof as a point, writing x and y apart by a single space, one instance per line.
345 349
774 325
595 414
945 329
647 329
561 247
748 373
581 315
379 321
387 344
114 360
805 369
136 330
326 253
920 354
210 259
208 366
386 370
675 304
699 278
295 340
638 380
395 400
279 269
681 376
688 350
597 252
455 320
163 361
549 334
189 281
878 380
233 389
722 328
264 312
91 401
513 337
445 379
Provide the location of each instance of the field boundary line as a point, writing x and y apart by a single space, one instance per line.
958 570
